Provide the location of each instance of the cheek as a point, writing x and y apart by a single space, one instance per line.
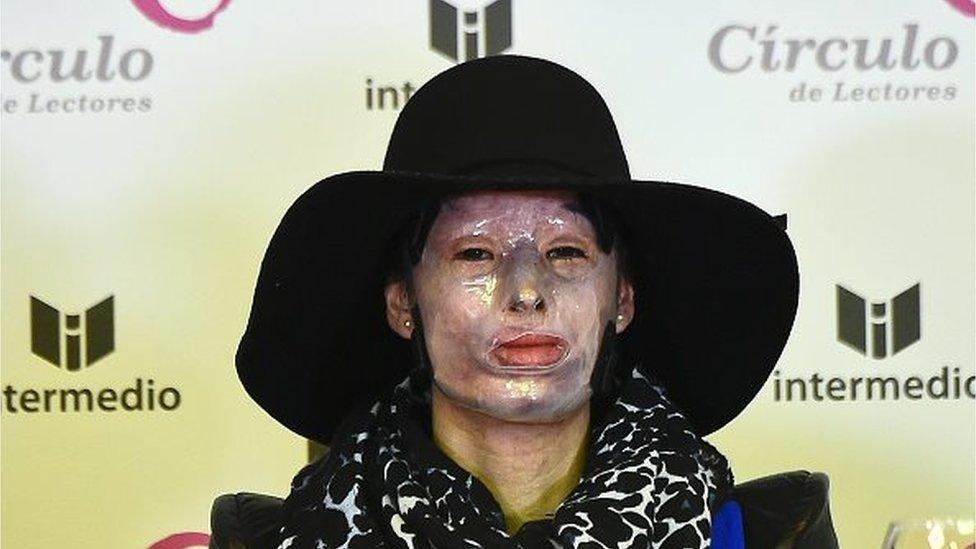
480 292
455 312
459 300
587 305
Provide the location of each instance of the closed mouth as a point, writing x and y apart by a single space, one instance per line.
530 352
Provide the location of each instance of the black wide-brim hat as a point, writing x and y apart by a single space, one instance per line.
716 281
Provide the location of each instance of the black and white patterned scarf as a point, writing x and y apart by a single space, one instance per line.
649 482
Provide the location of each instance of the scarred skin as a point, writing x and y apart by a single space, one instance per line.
497 265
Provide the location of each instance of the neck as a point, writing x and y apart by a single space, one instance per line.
529 468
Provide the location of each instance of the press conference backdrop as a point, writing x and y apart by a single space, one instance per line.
150 148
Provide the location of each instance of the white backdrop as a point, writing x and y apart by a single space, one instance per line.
164 192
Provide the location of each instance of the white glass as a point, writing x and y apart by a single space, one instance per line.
942 533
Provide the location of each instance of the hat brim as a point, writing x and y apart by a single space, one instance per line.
716 293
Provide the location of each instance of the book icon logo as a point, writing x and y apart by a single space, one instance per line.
72 341
888 328
462 35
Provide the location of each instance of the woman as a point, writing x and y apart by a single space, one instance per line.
504 339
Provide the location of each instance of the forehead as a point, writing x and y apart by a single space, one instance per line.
487 210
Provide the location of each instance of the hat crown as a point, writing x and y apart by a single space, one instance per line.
541 115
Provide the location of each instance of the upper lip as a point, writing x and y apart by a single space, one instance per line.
526 338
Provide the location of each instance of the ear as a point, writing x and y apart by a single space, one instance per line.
398 306
625 304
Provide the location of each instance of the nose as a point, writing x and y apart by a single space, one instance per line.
527 298
525 283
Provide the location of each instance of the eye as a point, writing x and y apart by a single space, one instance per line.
474 254
565 252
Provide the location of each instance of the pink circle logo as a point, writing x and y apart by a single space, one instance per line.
966 7
154 10
183 540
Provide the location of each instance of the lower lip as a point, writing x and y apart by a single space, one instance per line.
528 356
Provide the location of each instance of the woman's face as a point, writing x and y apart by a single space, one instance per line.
514 294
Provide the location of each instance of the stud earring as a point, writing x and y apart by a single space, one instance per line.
407 323
620 318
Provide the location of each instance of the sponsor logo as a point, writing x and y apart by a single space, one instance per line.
141 396
921 59
58 65
941 386
182 540
157 13
74 342
965 7
387 97
462 35
879 330
71 341
48 67
892 325
457 33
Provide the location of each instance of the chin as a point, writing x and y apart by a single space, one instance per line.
515 401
